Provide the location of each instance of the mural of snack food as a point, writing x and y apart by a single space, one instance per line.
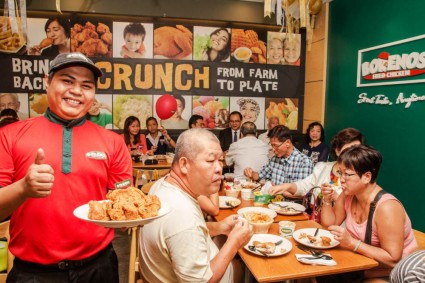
214 109
131 105
38 104
247 47
91 39
172 42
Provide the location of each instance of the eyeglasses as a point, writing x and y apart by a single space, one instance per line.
274 146
345 174
235 121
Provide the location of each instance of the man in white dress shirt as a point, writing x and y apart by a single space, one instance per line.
247 151
271 123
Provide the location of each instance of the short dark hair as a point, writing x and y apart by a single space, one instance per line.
282 133
7 121
248 128
194 119
135 28
236 113
150 119
343 137
63 21
362 158
310 127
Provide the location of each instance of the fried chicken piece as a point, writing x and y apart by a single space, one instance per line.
326 241
312 239
107 38
148 211
89 25
45 42
116 214
93 47
85 35
77 28
102 28
265 247
130 211
97 211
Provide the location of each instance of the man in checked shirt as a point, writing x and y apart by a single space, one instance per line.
287 165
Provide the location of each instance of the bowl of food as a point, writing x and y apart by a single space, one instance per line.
232 192
243 54
260 221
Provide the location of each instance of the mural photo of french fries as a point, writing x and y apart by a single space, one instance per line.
10 42
247 47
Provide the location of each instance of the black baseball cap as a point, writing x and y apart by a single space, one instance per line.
75 59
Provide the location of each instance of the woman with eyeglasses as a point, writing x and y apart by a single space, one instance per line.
323 172
392 236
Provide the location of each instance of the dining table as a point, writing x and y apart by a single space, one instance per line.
224 212
162 164
287 267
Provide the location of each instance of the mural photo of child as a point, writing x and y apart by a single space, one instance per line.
137 40
134 35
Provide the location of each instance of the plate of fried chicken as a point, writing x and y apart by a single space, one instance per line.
315 238
123 208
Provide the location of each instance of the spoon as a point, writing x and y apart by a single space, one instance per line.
254 249
322 256
228 203
314 253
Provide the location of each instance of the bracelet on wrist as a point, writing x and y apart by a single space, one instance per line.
168 139
357 246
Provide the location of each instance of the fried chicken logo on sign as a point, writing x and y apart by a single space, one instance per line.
400 62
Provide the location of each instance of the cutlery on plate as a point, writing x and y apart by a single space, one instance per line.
310 250
285 206
323 256
229 204
253 248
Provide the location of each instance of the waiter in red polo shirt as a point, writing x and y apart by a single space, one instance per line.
49 166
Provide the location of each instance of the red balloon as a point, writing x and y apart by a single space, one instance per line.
166 106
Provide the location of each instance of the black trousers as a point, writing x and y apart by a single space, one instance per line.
103 267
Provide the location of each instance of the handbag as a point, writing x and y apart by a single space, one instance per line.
312 202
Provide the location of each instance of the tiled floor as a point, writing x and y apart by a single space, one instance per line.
121 245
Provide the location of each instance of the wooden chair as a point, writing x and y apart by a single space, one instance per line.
4 232
137 176
152 176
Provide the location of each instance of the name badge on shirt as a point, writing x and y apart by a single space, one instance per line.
96 155
123 184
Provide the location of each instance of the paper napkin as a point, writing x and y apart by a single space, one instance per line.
309 259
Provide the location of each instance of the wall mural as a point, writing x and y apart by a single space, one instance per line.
209 70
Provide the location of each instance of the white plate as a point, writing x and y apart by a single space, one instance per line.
267 211
299 208
318 243
83 211
222 201
284 248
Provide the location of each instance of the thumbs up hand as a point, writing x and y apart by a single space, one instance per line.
38 181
